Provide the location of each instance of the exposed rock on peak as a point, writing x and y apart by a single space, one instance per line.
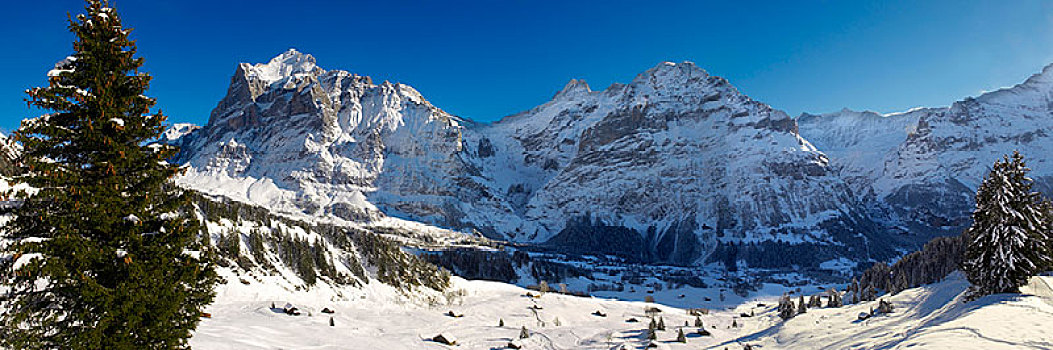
574 88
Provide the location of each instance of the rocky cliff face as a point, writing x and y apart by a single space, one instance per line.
677 156
300 139
923 166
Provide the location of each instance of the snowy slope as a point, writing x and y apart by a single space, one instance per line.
679 161
925 164
374 317
857 142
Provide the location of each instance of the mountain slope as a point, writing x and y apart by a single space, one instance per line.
923 166
677 155
299 139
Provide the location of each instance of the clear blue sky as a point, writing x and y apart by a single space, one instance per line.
484 60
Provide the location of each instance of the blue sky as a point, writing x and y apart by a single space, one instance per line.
484 60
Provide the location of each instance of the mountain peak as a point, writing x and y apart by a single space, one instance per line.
668 69
1042 78
288 63
574 87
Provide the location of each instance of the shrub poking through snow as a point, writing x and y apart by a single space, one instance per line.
444 339
884 307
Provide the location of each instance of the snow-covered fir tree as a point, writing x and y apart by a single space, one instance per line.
1008 240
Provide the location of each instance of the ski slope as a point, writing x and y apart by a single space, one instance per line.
377 317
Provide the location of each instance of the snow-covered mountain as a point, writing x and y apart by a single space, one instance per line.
922 166
296 138
675 166
672 166
680 158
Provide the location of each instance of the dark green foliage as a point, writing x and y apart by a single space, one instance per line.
856 291
1008 241
815 301
680 337
476 264
937 259
258 249
229 243
110 234
585 235
398 268
786 308
308 260
546 270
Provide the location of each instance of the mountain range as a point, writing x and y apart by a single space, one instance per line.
676 166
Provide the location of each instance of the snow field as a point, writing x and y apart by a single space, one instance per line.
377 317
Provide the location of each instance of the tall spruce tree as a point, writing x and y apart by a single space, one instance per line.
1008 240
104 254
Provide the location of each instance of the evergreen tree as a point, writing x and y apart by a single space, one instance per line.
835 298
698 322
661 324
680 337
1008 240
523 333
801 307
869 294
815 301
105 256
786 308
855 291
